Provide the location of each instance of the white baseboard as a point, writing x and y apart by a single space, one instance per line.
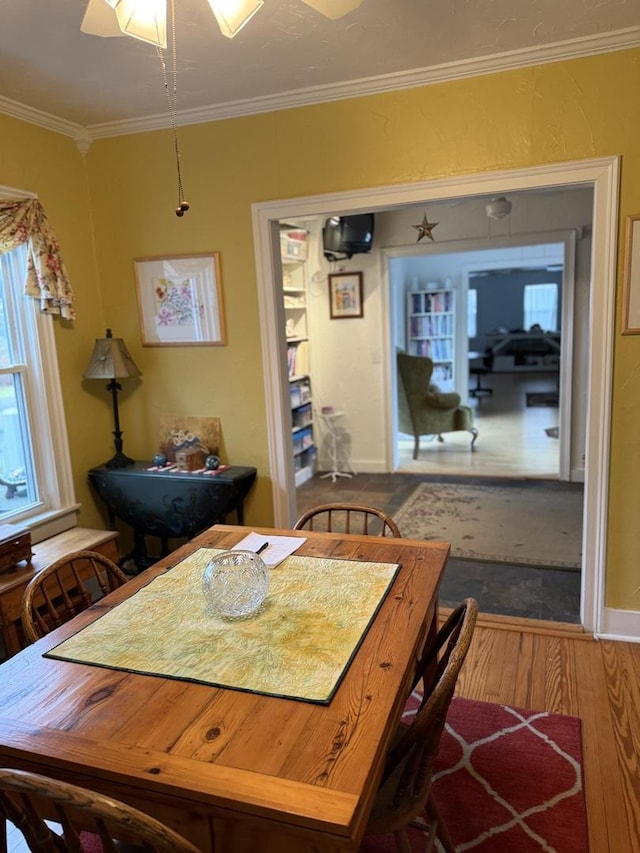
367 466
620 625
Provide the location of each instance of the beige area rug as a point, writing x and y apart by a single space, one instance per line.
534 525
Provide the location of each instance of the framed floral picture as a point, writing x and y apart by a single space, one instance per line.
345 295
180 300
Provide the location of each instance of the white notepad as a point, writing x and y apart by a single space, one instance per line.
278 547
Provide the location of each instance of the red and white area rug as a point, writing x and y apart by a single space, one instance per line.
507 780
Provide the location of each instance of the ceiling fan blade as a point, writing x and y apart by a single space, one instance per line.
333 8
100 20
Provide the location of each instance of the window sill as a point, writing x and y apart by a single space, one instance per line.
50 523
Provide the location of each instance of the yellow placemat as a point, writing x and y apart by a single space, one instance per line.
298 644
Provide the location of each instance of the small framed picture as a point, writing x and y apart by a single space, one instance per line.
180 300
345 295
631 310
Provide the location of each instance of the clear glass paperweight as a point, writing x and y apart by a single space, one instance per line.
235 583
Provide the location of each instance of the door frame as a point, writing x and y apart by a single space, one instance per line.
603 174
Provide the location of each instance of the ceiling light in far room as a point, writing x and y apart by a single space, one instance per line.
498 207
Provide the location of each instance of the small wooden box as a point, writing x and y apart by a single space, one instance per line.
189 460
15 545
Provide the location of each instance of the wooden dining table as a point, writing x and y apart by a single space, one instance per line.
230 769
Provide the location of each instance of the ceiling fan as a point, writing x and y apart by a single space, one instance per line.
147 19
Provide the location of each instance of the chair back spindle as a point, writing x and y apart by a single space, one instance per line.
348 518
405 790
65 588
26 799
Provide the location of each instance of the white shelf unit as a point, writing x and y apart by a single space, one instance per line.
431 326
304 449
293 248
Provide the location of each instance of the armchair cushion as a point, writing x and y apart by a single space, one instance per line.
439 400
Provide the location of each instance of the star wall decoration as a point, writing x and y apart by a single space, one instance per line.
425 228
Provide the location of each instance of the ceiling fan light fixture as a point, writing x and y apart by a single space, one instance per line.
498 207
143 19
232 15
334 9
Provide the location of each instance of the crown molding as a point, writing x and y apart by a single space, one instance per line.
39 118
446 72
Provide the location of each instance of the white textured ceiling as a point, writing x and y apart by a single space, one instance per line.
48 65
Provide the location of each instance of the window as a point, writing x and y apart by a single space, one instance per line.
472 312
541 306
35 473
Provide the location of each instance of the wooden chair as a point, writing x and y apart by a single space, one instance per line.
404 795
348 518
64 589
25 797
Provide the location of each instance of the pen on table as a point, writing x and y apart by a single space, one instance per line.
262 548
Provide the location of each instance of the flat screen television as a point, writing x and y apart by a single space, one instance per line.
344 236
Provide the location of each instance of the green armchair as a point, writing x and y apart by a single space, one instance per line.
422 410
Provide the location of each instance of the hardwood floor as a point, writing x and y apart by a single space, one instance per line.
560 669
512 441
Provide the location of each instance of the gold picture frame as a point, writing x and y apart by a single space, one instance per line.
345 295
631 286
180 300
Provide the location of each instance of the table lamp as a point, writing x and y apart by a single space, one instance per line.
111 360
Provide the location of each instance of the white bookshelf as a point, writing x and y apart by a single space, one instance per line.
293 249
431 326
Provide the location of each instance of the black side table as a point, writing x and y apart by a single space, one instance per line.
169 504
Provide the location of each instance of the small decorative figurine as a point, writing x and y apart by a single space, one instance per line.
212 462
160 460
425 228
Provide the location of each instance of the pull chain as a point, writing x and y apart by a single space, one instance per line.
172 100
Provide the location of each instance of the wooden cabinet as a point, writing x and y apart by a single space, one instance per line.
431 331
293 248
13 583
169 504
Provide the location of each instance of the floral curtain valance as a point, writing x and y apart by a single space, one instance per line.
24 221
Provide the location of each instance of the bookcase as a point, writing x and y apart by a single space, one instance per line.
431 331
293 253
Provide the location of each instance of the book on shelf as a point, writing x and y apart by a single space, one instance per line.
298 358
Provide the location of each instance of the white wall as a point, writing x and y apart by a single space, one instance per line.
347 355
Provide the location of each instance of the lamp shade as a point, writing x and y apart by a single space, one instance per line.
232 15
334 8
143 19
111 360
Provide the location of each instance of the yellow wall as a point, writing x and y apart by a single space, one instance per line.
51 166
564 111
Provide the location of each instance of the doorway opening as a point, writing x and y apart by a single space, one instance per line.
602 174
517 382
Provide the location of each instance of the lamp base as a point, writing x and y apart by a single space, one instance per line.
119 460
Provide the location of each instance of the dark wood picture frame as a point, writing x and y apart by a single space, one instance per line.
345 295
